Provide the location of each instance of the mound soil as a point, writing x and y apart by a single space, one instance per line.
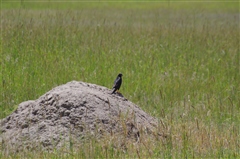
73 112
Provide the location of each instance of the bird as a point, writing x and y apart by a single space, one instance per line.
117 83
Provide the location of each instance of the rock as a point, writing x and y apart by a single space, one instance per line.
73 111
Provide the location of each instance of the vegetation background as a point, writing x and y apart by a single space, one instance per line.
180 62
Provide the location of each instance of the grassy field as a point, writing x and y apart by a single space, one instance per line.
180 63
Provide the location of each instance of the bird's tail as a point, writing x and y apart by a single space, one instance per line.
114 91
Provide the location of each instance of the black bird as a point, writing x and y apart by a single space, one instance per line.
117 83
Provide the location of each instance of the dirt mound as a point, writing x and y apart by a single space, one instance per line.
72 112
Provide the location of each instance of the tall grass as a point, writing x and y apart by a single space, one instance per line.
180 65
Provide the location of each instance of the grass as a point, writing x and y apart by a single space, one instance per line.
180 63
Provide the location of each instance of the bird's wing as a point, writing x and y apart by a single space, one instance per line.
116 81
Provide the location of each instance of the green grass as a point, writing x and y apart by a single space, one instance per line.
180 63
